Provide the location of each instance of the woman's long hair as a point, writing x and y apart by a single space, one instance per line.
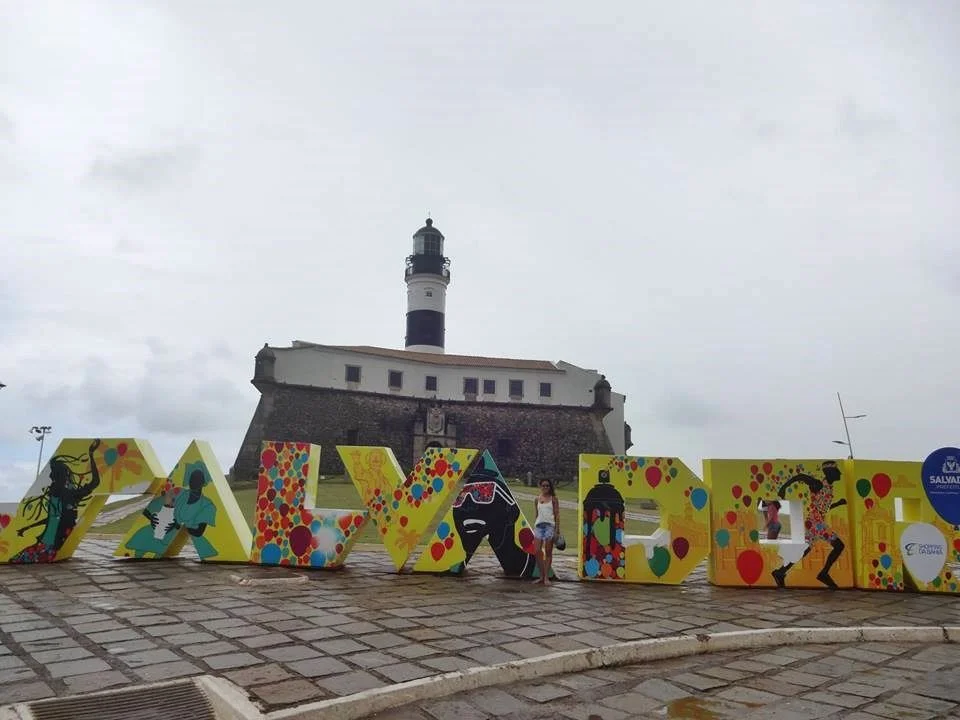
552 491
39 505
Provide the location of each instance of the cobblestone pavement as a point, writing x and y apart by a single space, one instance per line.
294 636
868 681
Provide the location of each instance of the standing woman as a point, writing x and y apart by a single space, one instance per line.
546 528
772 512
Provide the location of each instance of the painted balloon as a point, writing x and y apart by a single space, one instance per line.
723 538
660 561
881 484
300 539
653 476
698 498
681 546
750 565
863 487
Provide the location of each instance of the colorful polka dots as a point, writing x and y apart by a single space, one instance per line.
286 531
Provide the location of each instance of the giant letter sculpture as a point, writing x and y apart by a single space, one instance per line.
196 504
815 552
289 529
485 509
901 542
402 508
667 556
70 491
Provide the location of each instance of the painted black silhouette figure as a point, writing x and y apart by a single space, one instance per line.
57 507
815 523
486 509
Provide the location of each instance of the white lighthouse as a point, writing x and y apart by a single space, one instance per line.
427 276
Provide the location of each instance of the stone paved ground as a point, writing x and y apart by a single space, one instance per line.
869 681
290 637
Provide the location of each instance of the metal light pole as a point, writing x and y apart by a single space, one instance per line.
39 432
846 428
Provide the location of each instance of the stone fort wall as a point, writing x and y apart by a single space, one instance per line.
545 440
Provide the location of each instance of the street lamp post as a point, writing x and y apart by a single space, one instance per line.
39 432
846 428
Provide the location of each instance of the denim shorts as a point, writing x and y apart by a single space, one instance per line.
544 531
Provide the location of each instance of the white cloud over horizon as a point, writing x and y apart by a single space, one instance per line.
732 212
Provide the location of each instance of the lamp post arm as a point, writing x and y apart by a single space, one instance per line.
846 429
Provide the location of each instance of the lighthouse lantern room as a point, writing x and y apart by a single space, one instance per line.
427 276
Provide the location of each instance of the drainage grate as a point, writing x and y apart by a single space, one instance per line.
174 701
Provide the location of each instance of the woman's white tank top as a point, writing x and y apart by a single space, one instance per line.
545 513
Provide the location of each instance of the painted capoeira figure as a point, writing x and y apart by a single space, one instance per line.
815 523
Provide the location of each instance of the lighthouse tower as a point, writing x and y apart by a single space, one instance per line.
427 276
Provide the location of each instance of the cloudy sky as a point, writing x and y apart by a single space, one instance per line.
733 212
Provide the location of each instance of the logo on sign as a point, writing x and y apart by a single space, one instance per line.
924 550
940 476
911 549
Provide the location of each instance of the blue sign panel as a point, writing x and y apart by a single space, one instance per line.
941 482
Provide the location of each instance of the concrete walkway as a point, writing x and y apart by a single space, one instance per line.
866 681
295 636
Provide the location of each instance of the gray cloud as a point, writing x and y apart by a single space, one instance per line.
170 392
15 478
204 399
858 121
744 205
141 170
6 126
682 409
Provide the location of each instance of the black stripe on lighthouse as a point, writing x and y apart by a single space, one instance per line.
425 327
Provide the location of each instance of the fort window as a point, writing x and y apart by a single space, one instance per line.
489 387
395 379
429 293
504 448
469 386
431 383
546 390
353 373
516 389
